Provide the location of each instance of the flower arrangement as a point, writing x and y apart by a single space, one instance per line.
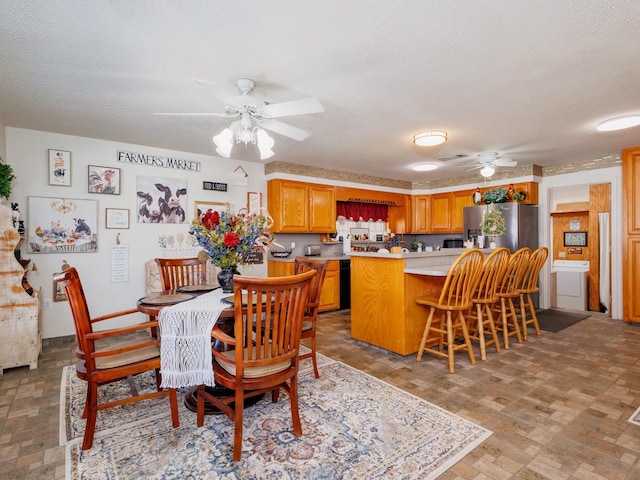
227 238
497 195
493 223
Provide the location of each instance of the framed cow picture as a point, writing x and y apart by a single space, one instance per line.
161 200
62 225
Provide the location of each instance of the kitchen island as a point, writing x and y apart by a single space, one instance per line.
384 287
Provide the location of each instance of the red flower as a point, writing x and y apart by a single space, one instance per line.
231 240
211 219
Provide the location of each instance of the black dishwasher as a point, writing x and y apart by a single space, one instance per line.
345 284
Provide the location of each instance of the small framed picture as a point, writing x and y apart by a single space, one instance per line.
575 239
60 168
254 202
59 293
105 180
200 208
117 218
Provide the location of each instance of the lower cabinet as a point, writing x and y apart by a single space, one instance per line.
330 296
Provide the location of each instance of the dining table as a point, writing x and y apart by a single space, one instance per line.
185 300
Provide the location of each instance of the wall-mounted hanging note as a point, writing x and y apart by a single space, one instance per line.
119 263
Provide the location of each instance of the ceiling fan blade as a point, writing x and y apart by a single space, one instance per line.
505 162
294 107
194 114
285 129
219 92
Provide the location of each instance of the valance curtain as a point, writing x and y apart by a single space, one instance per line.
366 211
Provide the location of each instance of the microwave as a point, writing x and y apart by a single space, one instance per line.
452 243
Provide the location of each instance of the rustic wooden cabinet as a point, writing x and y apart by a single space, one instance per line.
298 207
459 200
330 295
20 319
420 209
446 211
631 235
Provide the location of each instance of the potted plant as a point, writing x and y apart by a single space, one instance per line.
6 180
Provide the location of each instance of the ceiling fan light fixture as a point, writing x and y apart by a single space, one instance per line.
619 123
224 142
425 167
430 139
487 171
265 144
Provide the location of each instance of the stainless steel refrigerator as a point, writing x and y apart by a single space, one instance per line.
521 223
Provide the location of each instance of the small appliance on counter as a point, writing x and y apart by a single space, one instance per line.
312 250
452 243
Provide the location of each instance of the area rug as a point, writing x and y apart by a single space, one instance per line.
354 426
556 320
635 418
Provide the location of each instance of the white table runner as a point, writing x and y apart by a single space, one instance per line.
185 345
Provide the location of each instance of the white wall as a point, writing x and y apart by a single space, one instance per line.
26 151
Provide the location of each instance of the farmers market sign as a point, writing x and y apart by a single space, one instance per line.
158 161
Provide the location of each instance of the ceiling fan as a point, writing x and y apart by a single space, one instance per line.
253 114
488 161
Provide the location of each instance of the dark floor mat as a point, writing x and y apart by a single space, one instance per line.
556 320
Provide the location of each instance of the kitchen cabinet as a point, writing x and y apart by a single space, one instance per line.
330 295
299 207
445 212
631 235
420 208
20 313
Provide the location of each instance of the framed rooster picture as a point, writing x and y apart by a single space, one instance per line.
105 180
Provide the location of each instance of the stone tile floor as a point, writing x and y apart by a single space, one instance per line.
558 404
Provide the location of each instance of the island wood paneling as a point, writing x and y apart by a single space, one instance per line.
383 308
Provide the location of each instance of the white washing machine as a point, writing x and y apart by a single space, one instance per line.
569 284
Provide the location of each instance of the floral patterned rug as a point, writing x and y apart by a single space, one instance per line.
635 418
354 426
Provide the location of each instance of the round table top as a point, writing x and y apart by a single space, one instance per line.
154 310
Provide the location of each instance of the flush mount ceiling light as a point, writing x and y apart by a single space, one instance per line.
619 123
425 167
243 131
430 139
487 171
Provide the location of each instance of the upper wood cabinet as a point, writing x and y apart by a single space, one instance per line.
631 235
446 211
299 207
420 209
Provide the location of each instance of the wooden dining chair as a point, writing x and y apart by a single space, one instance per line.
264 351
110 355
178 272
480 317
454 299
507 291
528 286
300 265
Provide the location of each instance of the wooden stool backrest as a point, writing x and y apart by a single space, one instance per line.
492 272
462 280
512 277
529 280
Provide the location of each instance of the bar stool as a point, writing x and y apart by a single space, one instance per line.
484 298
507 291
529 285
455 296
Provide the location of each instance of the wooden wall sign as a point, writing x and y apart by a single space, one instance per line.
157 161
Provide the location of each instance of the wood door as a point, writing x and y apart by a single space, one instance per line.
420 208
330 295
459 200
322 208
288 205
440 213
631 234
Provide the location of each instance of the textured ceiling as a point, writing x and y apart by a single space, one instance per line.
528 79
